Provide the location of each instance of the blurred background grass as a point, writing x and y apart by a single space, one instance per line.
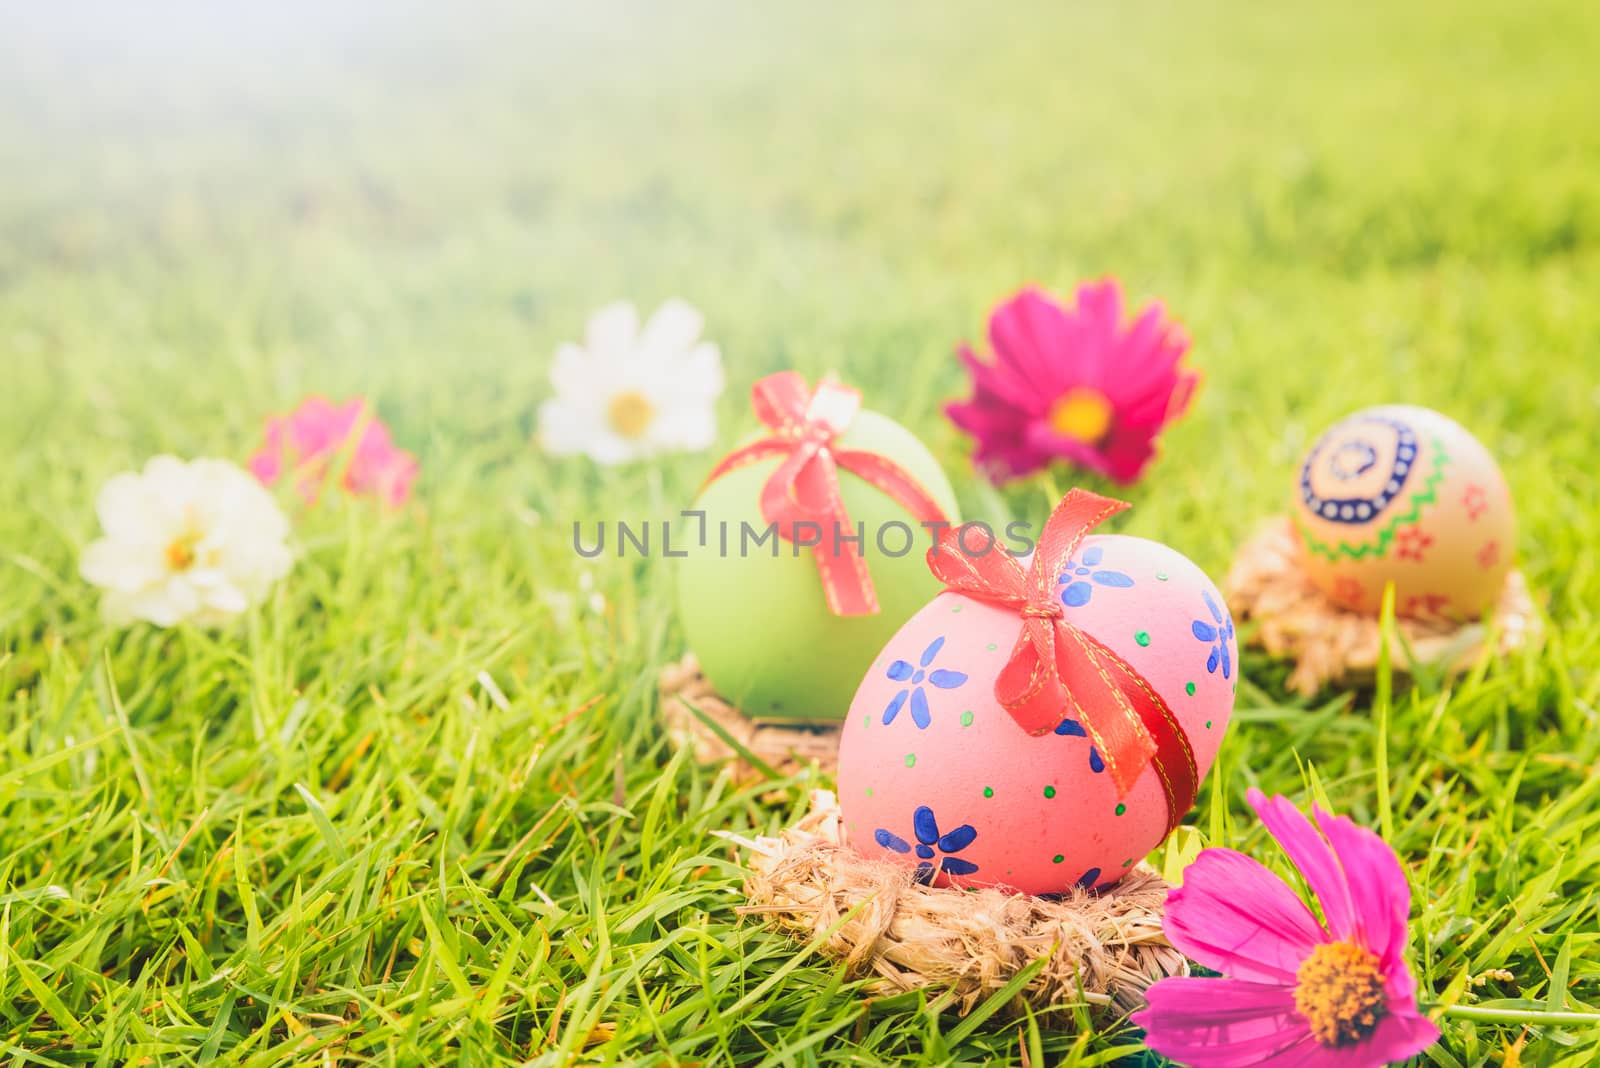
206 214
1343 206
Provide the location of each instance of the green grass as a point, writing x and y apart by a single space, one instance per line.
418 809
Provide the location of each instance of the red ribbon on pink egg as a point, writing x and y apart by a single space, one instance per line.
1056 670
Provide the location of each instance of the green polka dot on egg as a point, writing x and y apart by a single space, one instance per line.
1143 637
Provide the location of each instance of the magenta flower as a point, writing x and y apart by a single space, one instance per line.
319 438
1297 992
1074 384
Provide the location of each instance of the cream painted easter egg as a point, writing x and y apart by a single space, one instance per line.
936 775
1402 494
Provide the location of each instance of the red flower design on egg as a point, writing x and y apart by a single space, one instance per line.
1426 604
1412 543
1348 590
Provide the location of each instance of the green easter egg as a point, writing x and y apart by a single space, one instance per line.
761 626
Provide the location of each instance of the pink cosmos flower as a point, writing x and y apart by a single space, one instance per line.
1297 992
320 437
1073 383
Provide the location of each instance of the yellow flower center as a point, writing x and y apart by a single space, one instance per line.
1082 414
630 413
1339 989
180 552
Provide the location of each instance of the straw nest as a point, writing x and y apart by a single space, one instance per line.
1102 948
717 732
1330 644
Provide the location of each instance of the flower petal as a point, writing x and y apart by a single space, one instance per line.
166 604
923 823
957 866
609 449
946 680
121 566
672 329
1030 336
126 510
1124 455
1312 856
1234 916
1222 1023
579 378
612 331
1203 630
223 598
1399 1035
699 374
565 430
958 839
891 841
932 650
1043 437
1071 727
900 671
896 703
999 389
919 709
266 463
1380 896
1150 349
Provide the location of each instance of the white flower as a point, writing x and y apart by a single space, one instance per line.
200 540
628 393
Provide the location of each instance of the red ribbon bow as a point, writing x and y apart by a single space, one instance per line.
1056 670
805 487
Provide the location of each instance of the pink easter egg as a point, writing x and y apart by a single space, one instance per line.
935 775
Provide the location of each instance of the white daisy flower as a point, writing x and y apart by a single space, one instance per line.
628 393
200 540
